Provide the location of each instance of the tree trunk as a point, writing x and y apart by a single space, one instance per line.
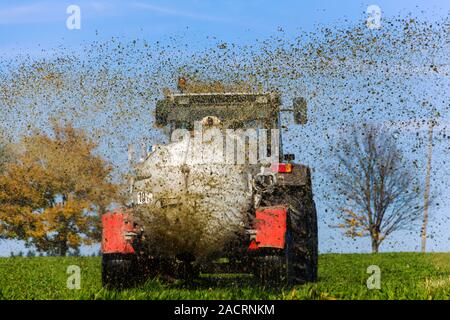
375 245
427 189
63 248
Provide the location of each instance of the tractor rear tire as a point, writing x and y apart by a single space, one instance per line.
119 271
303 229
276 268
297 263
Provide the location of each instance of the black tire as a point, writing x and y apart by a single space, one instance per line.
270 270
304 243
119 271
277 268
297 263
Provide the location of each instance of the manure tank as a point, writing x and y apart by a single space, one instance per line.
189 199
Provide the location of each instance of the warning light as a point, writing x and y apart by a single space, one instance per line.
282 167
182 84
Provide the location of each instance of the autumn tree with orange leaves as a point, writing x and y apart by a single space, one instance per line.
54 191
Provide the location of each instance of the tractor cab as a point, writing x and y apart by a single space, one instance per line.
228 111
235 110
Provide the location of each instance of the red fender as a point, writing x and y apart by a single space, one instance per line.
115 226
270 225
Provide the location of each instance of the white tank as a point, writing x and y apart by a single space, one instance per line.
189 199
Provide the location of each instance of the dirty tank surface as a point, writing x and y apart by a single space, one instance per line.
189 200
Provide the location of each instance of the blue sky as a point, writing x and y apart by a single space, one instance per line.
32 26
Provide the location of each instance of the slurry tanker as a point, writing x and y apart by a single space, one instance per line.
221 196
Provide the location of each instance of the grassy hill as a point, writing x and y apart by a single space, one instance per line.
341 276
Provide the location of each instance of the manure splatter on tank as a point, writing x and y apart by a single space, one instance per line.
397 76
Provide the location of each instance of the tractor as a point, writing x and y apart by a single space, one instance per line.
221 196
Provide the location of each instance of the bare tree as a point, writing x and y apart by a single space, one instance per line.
379 189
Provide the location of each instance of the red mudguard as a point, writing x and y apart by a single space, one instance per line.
115 226
270 227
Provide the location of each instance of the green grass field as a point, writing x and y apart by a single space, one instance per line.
341 276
